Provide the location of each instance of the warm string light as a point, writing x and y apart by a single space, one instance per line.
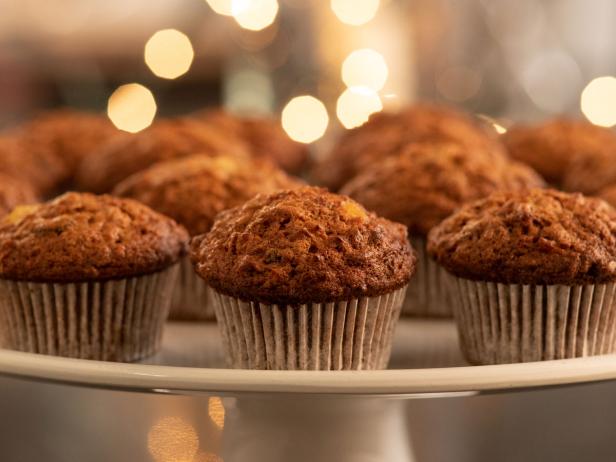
598 101
169 53
131 107
365 68
356 104
224 7
305 119
355 12
254 14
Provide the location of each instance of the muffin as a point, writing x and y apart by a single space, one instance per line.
14 192
532 275
39 168
551 146
164 140
589 174
192 191
87 276
264 137
305 279
386 135
608 194
419 188
67 134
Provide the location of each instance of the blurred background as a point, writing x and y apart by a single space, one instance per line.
323 65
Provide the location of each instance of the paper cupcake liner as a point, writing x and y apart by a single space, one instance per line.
118 320
427 294
351 335
510 323
191 296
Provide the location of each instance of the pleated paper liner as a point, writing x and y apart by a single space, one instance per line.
427 294
510 323
191 297
117 320
351 335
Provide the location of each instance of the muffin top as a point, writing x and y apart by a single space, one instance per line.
192 190
550 147
69 134
589 174
82 237
529 237
426 182
608 194
264 137
39 168
164 140
14 192
387 134
303 246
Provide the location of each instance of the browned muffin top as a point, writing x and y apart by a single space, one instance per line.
42 170
164 140
303 246
192 190
387 134
549 147
82 237
529 237
14 192
264 137
589 174
608 194
426 182
69 134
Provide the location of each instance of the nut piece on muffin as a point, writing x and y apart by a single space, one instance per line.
13 193
315 271
192 191
87 276
551 146
68 134
264 137
423 185
164 140
541 264
387 134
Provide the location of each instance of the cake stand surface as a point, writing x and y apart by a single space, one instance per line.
308 415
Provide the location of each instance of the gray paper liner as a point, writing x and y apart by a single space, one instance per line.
191 296
509 323
351 335
118 320
427 294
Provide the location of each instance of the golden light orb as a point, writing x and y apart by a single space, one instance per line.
355 12
305 119
598 101
365 68
131 107
255 14
169 53
356 104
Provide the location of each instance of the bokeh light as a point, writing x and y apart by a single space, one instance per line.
365 68
355 12
172 439
255 14
598 101
169 53
131 107
224 7
216 411
305 119
356 104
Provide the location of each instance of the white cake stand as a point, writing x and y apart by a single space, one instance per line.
301 416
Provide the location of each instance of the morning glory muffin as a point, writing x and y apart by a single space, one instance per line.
165 139
532 274
419 188
263 136
67 134
305 279
87 276
551 146
14 192
38 168
386 134
192 191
